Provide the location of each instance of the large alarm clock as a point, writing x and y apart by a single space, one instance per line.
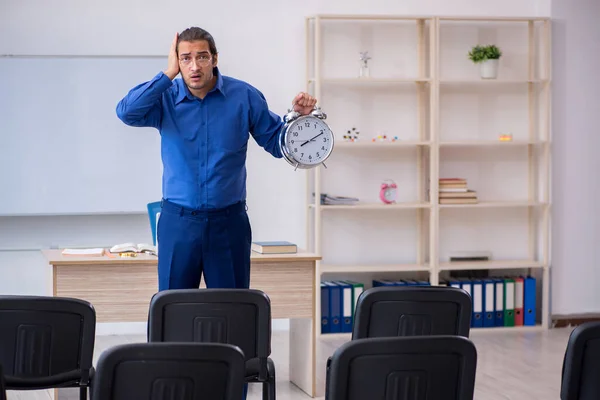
306 141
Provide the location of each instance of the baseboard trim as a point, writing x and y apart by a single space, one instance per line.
564 321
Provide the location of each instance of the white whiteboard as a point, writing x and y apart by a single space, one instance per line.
63 150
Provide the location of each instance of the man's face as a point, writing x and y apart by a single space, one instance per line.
196 63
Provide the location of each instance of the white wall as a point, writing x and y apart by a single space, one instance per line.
265 48
576 221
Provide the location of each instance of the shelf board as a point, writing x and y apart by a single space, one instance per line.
496 204
373 206
369 81
491 19
505 329
495 264
497 143
366 144
462 81
328 268
371 17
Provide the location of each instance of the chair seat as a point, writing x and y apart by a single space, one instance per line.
253 368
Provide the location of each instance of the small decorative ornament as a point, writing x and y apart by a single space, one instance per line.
388 191
364 67
505 138
351 135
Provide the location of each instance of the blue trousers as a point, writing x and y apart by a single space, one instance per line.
213 243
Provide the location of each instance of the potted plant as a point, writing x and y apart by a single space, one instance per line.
488 58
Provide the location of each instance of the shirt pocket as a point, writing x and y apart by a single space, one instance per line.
228 133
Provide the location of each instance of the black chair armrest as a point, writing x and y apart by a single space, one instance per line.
64 379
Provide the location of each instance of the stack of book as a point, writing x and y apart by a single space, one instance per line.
327 199
456 191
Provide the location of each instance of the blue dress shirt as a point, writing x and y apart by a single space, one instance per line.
203 141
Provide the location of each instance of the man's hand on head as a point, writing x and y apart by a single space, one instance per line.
304 103
173 63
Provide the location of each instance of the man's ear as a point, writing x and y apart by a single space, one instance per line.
215 59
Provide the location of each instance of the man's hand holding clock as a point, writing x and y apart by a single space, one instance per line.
304 103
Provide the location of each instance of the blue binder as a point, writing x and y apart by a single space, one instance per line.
478 303
335 307
345 305
454 283
529 301
466 285
383 282
325 301
489 301
499 306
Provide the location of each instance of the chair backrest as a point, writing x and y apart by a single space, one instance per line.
412 310
2 385
154 210
582 363
241 317
403 368
191 371
45 341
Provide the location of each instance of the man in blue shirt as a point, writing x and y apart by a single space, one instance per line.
204 120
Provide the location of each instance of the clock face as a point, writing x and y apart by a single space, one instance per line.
309 140
390 194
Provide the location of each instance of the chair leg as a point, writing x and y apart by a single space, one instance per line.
82 393
269 387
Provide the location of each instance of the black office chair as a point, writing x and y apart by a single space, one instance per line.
404 368
2 385
149 371
412 310
391 311
581 364
47 342
241 317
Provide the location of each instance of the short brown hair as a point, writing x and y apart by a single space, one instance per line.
194 33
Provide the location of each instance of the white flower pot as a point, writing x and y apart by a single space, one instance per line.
489 69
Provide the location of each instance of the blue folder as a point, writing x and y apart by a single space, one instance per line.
345 290
489 303
499 306
335 307
478 303
383 282
529 301
325 301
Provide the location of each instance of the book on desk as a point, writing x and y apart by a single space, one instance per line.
121 249
274 247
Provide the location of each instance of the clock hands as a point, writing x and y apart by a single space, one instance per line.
310 140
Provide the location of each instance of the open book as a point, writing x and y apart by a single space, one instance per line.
134 248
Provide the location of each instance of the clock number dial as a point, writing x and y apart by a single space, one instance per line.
309 141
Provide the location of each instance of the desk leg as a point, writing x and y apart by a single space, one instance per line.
303 355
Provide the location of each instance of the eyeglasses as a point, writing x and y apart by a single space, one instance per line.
202 60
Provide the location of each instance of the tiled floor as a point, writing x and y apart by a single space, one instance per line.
511 365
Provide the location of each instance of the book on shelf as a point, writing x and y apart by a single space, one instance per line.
327 199
456 191
466 256
274 247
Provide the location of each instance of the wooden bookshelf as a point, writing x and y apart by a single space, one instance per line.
424 91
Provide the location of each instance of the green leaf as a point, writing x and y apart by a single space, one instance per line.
481 53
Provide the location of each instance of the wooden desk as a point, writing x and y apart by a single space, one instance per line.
120 290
